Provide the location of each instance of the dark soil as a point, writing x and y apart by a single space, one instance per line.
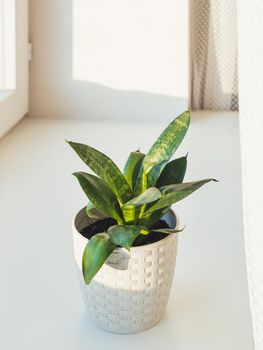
98 227
152 236
103 225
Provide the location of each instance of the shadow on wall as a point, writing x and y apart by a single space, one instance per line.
54 93
106 103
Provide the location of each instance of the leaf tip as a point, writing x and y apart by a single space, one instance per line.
72 144
87 279
182 229
76 174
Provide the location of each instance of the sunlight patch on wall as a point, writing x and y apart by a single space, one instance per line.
132 44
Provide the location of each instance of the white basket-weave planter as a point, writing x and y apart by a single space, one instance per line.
130 292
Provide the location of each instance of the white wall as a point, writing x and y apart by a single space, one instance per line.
109 60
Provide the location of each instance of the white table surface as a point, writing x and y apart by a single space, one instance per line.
40 304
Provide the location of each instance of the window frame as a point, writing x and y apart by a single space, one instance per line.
14 96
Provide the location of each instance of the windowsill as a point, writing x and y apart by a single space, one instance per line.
208 307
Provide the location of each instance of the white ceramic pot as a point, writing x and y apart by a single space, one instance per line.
130 292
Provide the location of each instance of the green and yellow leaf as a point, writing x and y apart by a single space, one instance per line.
167 143
91 211
132 168
174 193
173 172
154 173
105 168
141 183
150 218
132 209
100 195
124 235
167 231
148 196
97 250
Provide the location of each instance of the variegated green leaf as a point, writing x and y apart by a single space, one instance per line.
141 183
95 254
148 196
154 173
105 168
148 219
132 168
168 142
174 193
91 211
100 195
167 231
131 210
124 235
173 172
130 213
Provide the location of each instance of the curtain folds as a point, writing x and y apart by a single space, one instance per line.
214 54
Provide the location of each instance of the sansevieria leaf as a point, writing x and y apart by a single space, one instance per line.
148 196
91 211
150 218
124 235
131 209
100 195
167 143
96 252
173 172
167 231
154 173
132 168
105 168
174 193
141 183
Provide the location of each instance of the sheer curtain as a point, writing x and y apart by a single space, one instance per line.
214 54
250 53
216 25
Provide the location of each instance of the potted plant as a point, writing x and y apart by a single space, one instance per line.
125 239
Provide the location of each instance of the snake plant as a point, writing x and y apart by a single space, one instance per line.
137 197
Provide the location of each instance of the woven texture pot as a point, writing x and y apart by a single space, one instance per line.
130 292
